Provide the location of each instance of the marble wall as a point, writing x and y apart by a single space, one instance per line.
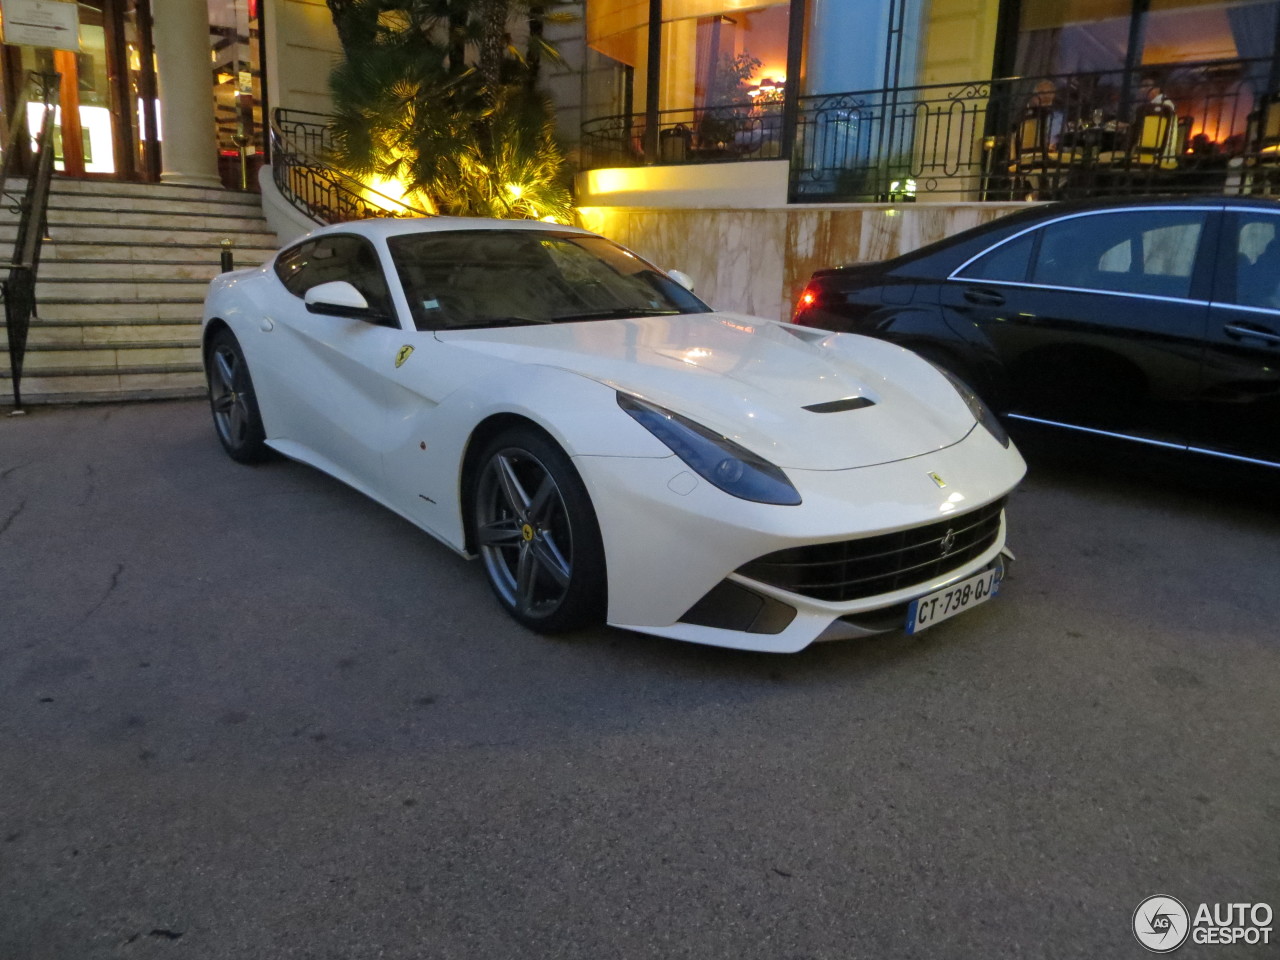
757 261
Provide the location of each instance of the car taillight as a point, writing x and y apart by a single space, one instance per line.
807 299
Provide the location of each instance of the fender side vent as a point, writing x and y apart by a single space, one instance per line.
840 406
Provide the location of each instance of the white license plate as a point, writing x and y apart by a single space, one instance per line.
946 603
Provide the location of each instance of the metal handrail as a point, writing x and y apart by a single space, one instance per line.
19 288
300 147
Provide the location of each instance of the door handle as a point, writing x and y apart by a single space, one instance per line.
1238 331
986 298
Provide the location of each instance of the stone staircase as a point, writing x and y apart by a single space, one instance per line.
121 286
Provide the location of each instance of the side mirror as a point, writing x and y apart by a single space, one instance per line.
339 299
682 278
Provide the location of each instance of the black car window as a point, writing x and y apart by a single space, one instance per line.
1009 261
482 278
1150 252
1257 267
341 257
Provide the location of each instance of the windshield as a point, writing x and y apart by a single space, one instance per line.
458 279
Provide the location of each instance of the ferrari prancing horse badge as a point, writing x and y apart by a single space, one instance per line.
402 355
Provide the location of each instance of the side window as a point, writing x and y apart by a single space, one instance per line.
1150 252
1257 268
291 268
1009 261
331 258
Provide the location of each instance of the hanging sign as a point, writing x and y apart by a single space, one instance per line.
41 23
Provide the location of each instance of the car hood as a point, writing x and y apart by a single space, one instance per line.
751 380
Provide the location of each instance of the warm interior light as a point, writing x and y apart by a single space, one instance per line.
95 122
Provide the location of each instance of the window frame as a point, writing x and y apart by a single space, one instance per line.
1225 278
1202 271
382 314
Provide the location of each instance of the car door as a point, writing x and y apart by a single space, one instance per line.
1240 397
1097 318
329 394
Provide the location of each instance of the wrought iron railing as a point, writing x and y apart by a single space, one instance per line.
1186 128
735 131
31 150
1212 127
300 147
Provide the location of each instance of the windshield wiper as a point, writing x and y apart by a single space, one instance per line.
497 322
619 313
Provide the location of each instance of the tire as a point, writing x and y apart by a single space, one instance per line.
231 398
537 535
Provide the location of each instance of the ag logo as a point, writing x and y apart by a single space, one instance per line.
402 355
1161 923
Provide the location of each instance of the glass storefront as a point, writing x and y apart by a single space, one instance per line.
1208 63
99 131
1073 36
108 122
722 76
237 89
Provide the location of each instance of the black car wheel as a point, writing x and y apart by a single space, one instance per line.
537 534
235 408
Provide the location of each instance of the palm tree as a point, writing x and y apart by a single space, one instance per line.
475 139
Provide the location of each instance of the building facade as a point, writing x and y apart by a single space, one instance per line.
958 100
174 90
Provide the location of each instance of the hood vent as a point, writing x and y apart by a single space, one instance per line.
840 406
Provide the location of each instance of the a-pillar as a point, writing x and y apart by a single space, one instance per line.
189 150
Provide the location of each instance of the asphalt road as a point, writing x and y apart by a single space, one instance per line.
245 713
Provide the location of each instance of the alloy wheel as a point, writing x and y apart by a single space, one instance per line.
524 533
229 396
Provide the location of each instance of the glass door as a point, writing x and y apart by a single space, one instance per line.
100 129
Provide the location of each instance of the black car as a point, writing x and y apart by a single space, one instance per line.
1155 320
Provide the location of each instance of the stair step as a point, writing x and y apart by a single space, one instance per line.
248 205
86 209
123 271
99 289
61 218
105 386
122 188
150 234
149 354
187 308
102 370
45 334
251 248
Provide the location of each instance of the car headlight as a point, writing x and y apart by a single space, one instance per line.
981 412
718 460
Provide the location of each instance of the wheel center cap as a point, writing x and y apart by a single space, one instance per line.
527 532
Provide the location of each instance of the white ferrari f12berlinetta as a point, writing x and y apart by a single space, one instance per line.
611 448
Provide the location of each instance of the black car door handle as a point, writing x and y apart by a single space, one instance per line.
1238 331
987 298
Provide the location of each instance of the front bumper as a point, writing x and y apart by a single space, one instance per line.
670 538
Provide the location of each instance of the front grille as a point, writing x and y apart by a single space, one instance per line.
853 569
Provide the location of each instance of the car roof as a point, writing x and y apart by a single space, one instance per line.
384 227
943 255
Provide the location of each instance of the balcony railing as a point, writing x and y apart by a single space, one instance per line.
1193 128
735 131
